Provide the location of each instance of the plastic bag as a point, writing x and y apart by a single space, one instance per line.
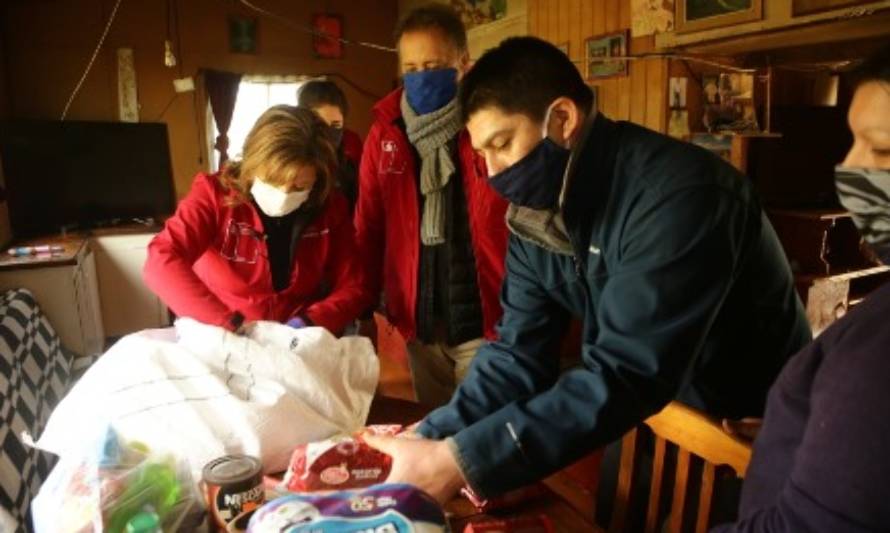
338 463
393 508
201 392
118 487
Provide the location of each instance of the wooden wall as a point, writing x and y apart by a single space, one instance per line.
4 95
640 96
49 44
5 231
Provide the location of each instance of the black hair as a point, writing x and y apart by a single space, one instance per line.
875 68
522 75
317 93
435 16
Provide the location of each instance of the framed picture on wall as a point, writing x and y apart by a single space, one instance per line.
695 15
242 35
326 42
599 50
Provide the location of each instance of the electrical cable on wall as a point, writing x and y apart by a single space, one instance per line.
92 60
313 31
174 38
681 57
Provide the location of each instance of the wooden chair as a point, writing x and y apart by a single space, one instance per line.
692 434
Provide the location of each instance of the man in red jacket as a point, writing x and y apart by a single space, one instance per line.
429 230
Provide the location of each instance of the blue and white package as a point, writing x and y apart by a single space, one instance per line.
387 508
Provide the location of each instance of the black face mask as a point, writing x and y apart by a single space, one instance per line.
336 135
865 193
534 181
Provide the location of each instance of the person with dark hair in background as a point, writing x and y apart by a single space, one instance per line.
820 461
659 247
326 99
266 238
429 229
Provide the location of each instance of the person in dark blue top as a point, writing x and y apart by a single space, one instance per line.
821 462
659 247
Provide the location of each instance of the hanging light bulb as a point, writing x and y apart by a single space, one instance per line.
169 58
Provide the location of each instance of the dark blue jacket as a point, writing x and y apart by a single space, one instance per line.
821 463
683 290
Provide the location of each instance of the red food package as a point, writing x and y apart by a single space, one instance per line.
338 463
525 524
507 499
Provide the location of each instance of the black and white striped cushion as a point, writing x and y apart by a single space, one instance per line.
35 372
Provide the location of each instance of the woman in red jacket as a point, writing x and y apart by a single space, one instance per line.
264 239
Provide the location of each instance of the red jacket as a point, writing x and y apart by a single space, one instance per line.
387 220
352 146
210 261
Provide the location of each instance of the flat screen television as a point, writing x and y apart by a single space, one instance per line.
75 175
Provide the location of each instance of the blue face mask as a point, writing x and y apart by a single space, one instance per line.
534 181
429 90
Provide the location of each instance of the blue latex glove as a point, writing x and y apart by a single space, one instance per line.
296 323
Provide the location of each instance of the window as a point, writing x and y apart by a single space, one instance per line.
255 95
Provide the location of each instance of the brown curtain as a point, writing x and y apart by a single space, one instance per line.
222 91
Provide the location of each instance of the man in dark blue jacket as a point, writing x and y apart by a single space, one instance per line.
660 248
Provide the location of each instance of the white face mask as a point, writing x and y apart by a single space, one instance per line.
275 202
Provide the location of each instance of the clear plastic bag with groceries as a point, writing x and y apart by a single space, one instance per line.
118 486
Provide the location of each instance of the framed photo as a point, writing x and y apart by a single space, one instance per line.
598 50
326 43
695 15
711 88
478 12
648 17
242 35
733 108
677 92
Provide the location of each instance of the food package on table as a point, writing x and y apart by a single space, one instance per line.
118 487
505 500
393 508
342 462
523 524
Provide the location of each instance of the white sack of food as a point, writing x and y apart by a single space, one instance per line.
201 392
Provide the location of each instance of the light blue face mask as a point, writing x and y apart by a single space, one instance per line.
430 90
865 193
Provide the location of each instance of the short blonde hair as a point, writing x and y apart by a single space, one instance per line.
281 141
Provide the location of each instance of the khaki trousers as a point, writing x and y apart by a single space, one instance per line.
437 369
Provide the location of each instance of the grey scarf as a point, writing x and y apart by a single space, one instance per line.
430 135
543 227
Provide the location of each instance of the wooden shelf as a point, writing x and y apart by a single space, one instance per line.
781 29
812 214
843 276
742 135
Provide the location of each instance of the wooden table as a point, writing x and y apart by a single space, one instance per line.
460 511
